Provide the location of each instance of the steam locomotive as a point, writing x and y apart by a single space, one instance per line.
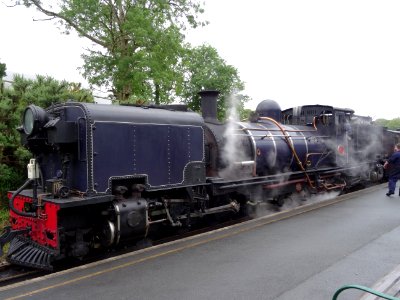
103 175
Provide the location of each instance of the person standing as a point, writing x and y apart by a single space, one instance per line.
392 165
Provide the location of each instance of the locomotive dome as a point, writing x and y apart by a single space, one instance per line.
269 108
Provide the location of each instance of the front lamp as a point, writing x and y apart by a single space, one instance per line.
34 118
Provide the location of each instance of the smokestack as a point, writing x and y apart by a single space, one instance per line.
209 104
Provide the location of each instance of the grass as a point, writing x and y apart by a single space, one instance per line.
4 221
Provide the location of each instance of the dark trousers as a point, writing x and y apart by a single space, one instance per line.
392 184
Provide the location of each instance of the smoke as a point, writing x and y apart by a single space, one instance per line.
363 143
265 208
231 152
233 149
297 112
360 142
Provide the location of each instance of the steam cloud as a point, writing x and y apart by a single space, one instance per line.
232 152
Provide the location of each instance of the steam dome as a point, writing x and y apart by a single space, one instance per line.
270 109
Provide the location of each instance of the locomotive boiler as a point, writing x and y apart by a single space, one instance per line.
105 175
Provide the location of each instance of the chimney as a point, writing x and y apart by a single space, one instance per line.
209 104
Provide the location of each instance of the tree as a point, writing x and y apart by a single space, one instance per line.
393 124
3 73
139 44
3 69
42 91
205 69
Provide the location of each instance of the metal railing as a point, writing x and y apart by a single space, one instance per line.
365 289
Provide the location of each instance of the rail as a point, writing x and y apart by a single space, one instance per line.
365 289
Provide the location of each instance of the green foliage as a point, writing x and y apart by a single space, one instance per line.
3 73
3 69
139 52
45 90
138 44
205 69
393 124
245 114
41 91
4 215
11 177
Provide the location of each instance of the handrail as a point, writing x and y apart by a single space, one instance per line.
291 147
365 289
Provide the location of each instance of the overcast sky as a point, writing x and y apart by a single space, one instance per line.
344 53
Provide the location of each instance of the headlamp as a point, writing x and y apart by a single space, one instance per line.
34 118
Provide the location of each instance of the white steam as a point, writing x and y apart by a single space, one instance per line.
233 150
265 208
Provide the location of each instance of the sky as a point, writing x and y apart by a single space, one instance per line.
344 53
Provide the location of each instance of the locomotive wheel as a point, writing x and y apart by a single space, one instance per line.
106 236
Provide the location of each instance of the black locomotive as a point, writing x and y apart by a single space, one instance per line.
103 175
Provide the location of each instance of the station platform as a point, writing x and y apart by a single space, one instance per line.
304 252
389 285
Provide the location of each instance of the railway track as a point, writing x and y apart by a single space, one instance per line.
10 274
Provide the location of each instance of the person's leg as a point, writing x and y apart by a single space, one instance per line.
391 185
